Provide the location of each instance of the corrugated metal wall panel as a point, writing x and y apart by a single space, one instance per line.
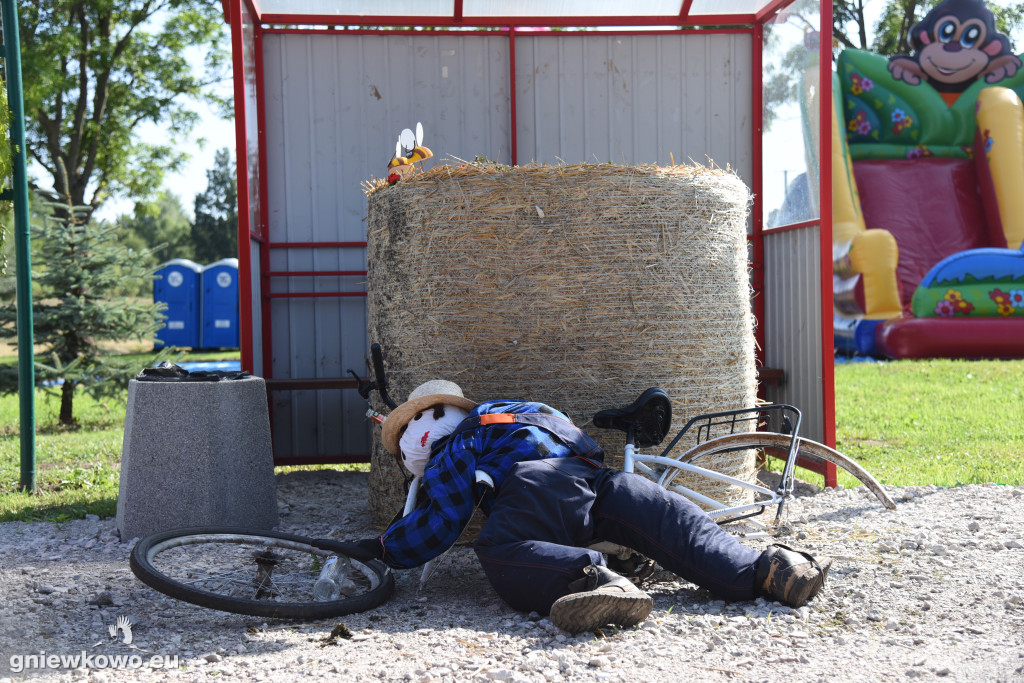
335 104
793 322
635 99
334 108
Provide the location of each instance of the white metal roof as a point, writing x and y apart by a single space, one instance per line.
520 12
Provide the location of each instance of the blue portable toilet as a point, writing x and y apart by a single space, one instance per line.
220 305
177 285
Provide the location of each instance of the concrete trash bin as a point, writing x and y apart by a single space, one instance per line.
196 453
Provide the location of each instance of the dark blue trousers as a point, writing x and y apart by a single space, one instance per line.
547 511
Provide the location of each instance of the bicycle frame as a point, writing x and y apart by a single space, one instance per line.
639 462
636 462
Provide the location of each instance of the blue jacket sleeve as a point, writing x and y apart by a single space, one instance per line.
436 524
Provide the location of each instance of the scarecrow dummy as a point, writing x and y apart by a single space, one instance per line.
548 497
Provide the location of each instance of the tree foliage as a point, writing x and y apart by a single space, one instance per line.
215 230
82 277
160 226
891 33
786 65
95 71
844 14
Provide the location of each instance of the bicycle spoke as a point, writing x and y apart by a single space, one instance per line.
214 577
289 574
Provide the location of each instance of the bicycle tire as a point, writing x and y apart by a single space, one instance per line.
152 561
781 442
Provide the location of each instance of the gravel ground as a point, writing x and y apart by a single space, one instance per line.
934 589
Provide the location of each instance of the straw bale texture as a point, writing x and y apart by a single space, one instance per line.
578 286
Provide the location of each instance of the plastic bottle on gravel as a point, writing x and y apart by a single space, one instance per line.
332 577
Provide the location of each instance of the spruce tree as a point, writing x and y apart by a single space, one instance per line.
82 274
215 230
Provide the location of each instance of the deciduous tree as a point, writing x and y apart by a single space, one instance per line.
95 71
161 226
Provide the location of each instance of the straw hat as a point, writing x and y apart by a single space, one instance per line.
422 397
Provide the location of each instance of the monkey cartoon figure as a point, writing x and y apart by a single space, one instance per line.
954 45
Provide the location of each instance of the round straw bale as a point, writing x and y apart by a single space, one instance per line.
578 286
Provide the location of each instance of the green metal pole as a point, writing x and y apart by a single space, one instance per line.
26 360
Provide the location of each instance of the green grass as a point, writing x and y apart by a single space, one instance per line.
933 422
77 468
908 422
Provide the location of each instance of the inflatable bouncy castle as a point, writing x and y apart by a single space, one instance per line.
928 193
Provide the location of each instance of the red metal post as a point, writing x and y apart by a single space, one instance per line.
524 20
314 245
512 93
825 164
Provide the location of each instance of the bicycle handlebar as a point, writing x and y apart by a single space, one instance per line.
380 379
380 382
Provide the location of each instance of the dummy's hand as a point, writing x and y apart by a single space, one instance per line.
484 485
373 546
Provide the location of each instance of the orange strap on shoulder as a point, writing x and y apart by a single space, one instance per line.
497 418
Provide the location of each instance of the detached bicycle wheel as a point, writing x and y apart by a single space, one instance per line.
260 573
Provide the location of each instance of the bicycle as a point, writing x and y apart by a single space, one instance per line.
647 421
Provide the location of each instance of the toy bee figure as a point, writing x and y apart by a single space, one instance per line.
409 150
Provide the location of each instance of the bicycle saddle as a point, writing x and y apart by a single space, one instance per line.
648 418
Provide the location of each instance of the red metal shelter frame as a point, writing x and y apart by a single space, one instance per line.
246 20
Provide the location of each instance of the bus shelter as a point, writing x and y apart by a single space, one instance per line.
324 87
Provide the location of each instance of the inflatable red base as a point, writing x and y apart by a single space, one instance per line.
951 337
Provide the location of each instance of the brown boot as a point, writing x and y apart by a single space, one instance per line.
789 576
600 597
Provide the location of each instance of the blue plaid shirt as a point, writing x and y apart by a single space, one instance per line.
449 479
